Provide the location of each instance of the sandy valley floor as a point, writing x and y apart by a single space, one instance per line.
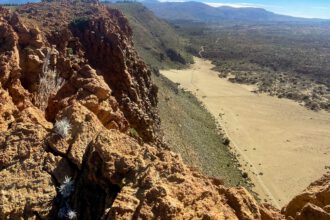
282 145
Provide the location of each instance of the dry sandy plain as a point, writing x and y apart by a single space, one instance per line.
282 145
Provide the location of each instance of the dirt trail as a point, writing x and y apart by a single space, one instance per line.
282 145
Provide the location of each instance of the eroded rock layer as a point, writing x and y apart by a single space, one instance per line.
71 90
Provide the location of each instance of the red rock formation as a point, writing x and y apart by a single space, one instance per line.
107 90
90 38
313 203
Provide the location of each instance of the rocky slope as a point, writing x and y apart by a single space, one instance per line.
72 90
154 39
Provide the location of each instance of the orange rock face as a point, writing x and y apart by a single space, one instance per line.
87 167
313 203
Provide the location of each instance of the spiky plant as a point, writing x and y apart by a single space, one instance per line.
71 214
62 127
65 212
66 188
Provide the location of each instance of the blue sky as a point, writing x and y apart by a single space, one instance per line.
298 8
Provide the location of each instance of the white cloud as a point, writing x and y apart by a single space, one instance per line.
234 5
322 7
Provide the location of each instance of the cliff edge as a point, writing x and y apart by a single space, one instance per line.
79 129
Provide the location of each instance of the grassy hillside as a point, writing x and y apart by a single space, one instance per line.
190 130
156 41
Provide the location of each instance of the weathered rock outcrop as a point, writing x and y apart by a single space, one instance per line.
313 203
80 58
90 44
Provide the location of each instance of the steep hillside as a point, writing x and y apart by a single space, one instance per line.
188 129
154 39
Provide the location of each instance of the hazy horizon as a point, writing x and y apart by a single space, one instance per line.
296 8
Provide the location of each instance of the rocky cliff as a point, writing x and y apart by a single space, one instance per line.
79 129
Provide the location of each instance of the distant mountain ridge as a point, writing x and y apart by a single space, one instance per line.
201 12
18 1
198 11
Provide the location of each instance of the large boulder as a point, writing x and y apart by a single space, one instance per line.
313 203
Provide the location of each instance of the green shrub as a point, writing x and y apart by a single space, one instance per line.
133 133
69 51
226 141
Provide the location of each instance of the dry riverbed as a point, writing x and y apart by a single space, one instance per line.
281 145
